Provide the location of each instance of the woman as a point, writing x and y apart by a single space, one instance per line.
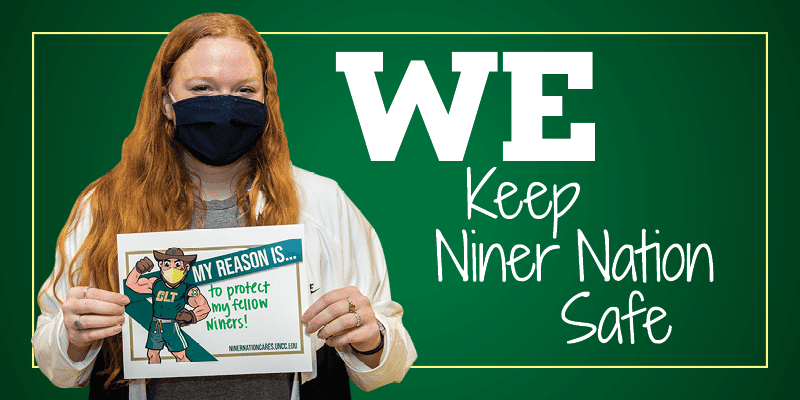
184 166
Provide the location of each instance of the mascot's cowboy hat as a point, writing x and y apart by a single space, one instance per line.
174 252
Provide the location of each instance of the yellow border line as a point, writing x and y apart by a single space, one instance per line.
427 33
33 197
766 36
766 194
587 366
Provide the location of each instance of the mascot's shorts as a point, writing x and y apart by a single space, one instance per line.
165 333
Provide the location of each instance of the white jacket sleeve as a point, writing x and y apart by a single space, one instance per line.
365 268
50 338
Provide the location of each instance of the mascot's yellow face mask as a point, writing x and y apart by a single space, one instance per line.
173 271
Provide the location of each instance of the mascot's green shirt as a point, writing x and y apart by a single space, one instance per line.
168 301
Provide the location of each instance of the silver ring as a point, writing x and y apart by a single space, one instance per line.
84 292
358 319
78 324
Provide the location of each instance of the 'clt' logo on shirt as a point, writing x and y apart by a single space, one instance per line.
167 297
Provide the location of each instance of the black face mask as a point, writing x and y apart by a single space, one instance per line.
218 130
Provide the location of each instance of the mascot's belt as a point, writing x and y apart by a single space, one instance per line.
159 322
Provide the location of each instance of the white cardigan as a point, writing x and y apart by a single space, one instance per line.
342 249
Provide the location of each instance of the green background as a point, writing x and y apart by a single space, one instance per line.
680 129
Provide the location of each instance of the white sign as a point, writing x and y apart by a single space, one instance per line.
214 302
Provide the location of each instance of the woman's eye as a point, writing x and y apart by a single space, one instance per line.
247 90
200 88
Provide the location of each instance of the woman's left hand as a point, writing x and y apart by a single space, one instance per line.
340 321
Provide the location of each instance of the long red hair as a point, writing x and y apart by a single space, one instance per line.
122 201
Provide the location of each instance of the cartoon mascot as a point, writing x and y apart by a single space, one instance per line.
170 296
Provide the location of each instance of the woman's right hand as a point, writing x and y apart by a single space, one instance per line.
91 314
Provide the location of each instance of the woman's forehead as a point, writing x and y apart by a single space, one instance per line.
215 58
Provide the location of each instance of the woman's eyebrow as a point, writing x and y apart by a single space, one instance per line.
205 78
252 78
208 78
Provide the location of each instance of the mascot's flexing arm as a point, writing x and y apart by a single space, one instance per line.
170 297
